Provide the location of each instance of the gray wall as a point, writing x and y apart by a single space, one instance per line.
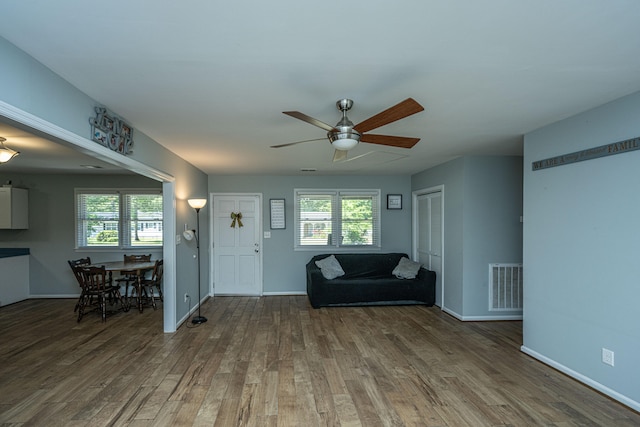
483 205
51 232
451 175
581 247
283 267
492 227
28 85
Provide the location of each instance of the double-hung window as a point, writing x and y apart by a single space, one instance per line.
337 218
111 218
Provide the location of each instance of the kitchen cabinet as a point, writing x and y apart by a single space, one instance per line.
14 208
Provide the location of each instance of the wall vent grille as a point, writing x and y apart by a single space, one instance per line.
505 287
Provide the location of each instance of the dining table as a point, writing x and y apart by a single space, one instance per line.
137 268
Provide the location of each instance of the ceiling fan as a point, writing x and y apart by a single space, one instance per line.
344 135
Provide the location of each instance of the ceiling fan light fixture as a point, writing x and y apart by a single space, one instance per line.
344 135
6 154
344 141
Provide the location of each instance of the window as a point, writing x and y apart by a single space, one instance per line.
337 218
118 218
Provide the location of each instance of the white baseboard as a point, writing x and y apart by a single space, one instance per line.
285 293
265 294
490 318
481 318
452 313
192 311
187 316
54 296
583 379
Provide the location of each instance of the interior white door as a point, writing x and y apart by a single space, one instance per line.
429 236
236 244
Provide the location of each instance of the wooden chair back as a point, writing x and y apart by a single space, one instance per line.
158 270
80 261
131 259
75 265
95 279
97 290
137 258
154 281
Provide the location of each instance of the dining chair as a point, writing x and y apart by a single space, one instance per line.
75 264
96 283
131 276
155 281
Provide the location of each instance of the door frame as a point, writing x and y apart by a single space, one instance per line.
212 248
79 143
414 227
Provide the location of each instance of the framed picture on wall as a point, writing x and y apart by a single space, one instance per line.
278 221
99 135
394 201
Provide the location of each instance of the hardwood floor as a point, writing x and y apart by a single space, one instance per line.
275 361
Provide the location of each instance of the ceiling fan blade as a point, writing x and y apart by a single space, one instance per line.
399 111
393 141
339 155
301 116
297 142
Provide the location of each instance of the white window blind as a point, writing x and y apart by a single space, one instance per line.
97 219
143 219
337 218
120 219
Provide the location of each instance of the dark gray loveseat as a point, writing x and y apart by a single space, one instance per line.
368 281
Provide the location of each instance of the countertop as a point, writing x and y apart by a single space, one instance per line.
11 252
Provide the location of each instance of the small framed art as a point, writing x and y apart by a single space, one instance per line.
277 214
394 201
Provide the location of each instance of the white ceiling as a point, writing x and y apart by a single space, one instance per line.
209 79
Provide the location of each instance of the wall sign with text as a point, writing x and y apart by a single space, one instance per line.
277 214
591 153
394 201
112 132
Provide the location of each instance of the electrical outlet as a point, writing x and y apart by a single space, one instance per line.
186 297
607 356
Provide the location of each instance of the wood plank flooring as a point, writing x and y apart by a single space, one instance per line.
275 361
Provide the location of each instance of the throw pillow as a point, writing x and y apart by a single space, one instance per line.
406 269
330 267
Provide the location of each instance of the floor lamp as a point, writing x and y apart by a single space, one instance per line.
198 204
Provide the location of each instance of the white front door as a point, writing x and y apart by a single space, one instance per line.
428 236
237 249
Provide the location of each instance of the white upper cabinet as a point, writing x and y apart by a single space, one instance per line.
14 208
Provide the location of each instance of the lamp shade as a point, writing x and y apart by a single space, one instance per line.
197 203
6 154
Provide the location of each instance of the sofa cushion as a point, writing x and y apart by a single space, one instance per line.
406 269
368 265
330 267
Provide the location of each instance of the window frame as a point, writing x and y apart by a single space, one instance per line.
124 237
337 196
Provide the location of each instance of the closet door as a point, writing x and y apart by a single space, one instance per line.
429 236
